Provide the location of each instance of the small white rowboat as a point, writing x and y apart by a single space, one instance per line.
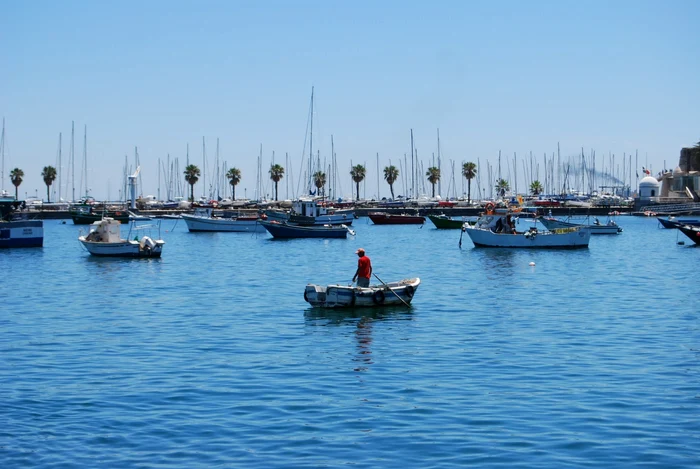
345 296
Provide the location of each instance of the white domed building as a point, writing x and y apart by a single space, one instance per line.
649 190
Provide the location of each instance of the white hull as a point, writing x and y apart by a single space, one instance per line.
342 296
554 224
123 248
195 223
570 238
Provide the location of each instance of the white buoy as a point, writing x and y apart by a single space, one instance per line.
532 264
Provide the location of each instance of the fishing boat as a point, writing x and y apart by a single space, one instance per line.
308 211
203 219
289 230
673 222
381 218
497 229
104 239
86 213
443 222
18 233
345 296
692 232
610 227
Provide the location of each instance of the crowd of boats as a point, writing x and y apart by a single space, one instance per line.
311 217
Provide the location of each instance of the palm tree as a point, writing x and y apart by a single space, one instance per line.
358 173
192 176
320 181
469 172
433 177
16 176
391 174
536 188
276 173
49 176
502 187
234 177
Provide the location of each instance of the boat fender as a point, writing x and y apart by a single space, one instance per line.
306 297
352 300
409 291
378 297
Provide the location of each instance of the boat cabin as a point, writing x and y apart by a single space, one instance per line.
308 208
107 230
500 221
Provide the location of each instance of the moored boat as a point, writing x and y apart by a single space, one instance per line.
312 211
497 229
610 227
345 296
692 232
443 222
204 220
104 239
86 214
290 230
18 233
381 218
673 222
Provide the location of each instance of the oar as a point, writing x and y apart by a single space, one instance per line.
392 291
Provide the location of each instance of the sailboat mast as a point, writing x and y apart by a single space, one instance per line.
60 170
378 197
85 162
204 168
413 173
2 151
72 158
217 168
311 140
439 164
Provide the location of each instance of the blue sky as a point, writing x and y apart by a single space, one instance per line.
614 77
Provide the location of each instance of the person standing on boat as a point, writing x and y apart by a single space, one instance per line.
364 269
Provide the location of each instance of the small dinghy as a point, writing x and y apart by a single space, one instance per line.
346 296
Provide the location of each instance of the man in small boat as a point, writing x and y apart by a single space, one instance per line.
364 269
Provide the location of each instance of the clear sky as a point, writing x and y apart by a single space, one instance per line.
611 76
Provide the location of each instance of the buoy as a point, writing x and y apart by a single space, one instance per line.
532 264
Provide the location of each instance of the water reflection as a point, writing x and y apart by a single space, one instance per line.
362 321
340 316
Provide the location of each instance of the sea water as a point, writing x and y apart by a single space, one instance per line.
209 356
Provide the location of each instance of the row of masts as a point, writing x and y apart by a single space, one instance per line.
556 175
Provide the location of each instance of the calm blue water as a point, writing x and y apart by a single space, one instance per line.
209 357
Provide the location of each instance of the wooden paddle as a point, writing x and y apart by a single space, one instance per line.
392 291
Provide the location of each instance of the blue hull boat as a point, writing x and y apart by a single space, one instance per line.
287 230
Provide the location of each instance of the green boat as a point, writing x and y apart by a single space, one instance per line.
443 222
86 214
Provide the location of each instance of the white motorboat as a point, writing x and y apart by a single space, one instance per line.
497 229
204 220
610 227
345 296
104 239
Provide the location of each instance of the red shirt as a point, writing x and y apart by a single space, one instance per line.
363 267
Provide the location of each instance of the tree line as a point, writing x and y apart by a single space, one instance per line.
357 172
